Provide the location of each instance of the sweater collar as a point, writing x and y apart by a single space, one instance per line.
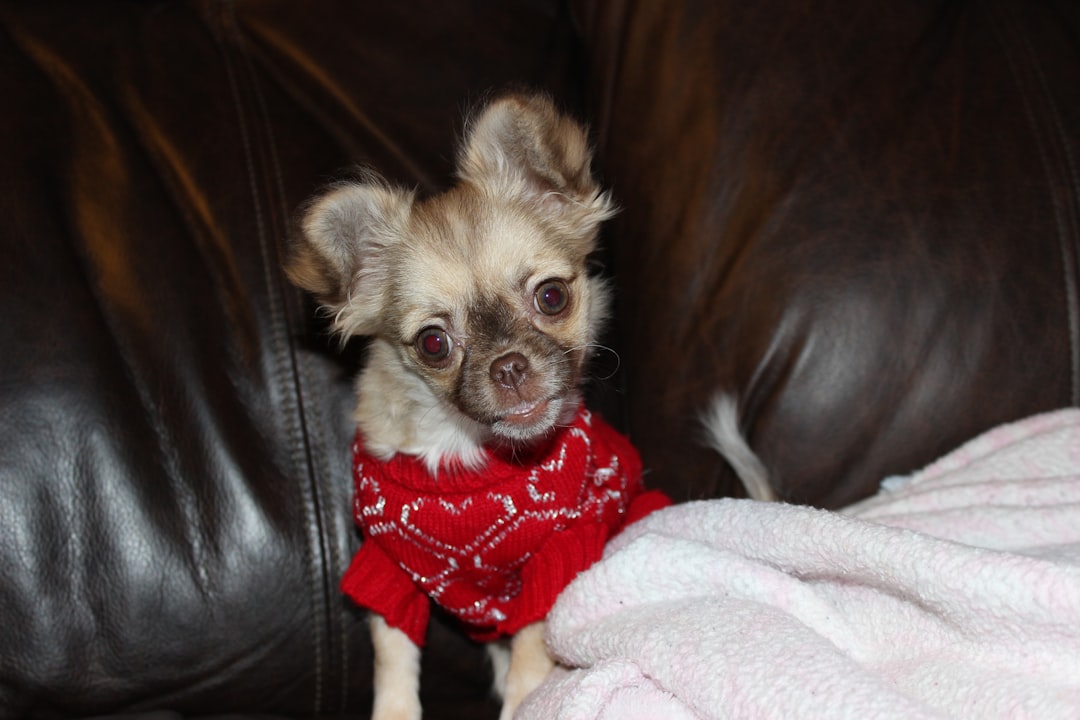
499 466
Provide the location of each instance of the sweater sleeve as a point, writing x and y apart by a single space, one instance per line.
644 504
376 582
563 556
552 568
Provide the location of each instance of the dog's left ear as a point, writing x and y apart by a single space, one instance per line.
521 146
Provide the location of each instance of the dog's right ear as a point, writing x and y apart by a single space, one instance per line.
341 254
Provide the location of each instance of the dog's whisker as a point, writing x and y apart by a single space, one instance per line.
592 346
605 348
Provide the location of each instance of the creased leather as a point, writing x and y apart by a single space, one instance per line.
174 471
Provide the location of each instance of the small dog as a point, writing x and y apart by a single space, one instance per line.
481 481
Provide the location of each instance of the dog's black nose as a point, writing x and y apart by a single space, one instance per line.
509 370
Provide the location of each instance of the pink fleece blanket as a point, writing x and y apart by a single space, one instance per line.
952 593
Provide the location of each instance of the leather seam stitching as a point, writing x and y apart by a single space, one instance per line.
280 354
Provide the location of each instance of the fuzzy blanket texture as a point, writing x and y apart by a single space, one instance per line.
953 593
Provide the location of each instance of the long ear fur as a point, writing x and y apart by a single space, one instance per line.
521 146
340 256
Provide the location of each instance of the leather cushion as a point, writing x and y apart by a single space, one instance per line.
861 218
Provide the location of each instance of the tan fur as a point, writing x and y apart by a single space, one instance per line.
529 665
473 263
397 673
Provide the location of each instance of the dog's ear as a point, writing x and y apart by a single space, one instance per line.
341 253
520 145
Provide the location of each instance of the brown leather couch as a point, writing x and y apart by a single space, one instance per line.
862 217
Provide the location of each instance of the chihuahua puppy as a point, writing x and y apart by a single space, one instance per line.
481 482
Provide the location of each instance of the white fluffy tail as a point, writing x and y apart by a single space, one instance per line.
721 422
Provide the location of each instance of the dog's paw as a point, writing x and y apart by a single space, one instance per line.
508 710
396 708
529 666
517 689
397 673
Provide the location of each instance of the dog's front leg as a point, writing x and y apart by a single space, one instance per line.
397 673
529 665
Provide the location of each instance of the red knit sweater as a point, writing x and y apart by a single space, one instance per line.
494 547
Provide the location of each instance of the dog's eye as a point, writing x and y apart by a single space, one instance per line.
552 297
433 345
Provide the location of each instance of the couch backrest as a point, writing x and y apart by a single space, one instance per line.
174 423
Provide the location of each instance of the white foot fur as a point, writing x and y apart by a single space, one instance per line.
529 665
397 673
